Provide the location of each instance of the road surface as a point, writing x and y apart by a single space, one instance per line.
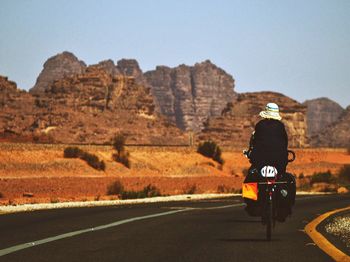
207 230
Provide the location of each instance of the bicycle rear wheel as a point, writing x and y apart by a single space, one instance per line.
269 220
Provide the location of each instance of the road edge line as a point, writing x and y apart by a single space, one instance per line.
321 241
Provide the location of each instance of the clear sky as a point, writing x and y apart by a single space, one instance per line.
300 48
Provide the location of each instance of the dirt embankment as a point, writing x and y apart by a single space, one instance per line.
42 170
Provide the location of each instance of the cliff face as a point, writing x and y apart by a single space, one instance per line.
16 109
87 107
238 119
335 135
75 103
321 112
188 95
57 67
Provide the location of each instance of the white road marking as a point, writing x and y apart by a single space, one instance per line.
19 247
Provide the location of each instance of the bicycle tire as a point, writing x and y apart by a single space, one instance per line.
269 220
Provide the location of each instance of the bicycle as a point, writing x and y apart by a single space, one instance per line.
267 189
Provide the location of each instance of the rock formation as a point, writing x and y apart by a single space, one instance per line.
321 112
16 110
335 135
188 95
57 67
75 103
238 119
93 106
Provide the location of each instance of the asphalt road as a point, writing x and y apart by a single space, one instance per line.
214 230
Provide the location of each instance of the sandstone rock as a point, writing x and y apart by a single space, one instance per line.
57 67
188 95
130 67
335 135
321 113
238 119
93 106
16 110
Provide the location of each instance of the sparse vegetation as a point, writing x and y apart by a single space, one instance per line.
72 152
117 188
344 174
90 159
212 150
190 189
54 200
93 161
322 177
301 176
148 191
121 156
224 189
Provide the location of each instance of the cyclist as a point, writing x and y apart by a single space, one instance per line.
269 146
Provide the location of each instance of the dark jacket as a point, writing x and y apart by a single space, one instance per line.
270 144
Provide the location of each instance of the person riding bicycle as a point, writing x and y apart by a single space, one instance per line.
269 146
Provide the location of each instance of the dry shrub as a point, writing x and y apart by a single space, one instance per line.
148 191
72 152
212 150
116 188
1 195
122 158
224 189
322 177
90 159
344 174
190 189
93 161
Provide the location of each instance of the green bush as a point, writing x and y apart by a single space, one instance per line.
344 174
212 150
115 188
322 177
72 152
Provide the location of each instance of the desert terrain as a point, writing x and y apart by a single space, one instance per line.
34 173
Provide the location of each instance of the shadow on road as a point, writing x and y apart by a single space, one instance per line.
242 221
247 240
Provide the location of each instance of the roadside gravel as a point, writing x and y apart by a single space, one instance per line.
339 226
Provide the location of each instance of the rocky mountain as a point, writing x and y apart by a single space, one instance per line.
321 112
335 135
89 107
57 67
75 103
188 95
16 109
237 120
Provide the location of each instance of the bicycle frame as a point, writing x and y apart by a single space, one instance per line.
269 210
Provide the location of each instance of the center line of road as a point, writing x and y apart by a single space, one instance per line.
19 247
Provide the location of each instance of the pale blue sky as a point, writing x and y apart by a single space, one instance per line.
298 48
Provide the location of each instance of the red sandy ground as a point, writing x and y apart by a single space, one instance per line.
42 171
